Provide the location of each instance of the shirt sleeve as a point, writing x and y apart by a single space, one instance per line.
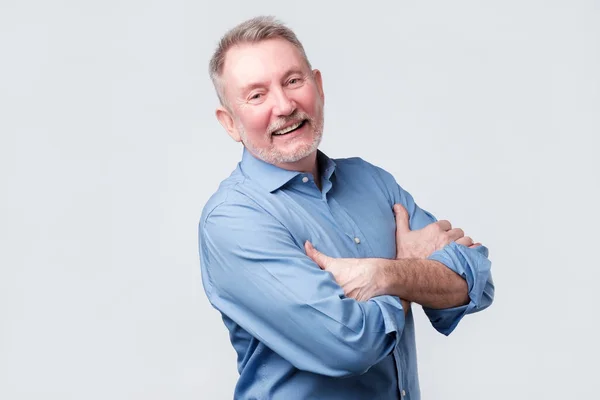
471 264
257 274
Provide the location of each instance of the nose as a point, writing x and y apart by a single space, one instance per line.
284 106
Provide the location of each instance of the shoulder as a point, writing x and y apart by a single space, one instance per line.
359 164
237 206
230 201
358 167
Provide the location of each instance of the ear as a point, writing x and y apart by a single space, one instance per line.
319 83
226 119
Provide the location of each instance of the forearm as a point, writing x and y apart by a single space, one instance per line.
426 282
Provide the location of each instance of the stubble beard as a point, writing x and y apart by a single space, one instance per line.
272 154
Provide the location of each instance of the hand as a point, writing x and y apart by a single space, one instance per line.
423 242
357 277
360 278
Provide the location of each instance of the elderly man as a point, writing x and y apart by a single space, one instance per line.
334 323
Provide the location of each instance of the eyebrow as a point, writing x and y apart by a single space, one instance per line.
254 85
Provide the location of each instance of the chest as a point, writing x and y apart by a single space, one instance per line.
344 222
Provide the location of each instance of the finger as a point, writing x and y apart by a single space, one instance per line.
475 245
465 241
444 225
455 234
402 219
321 259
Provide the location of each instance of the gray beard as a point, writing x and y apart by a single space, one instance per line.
274 156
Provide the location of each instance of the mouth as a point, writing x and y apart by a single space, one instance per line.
290 129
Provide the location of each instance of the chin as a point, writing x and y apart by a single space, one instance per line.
286 154
301 152
295 157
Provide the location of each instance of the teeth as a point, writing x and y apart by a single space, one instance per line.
288 129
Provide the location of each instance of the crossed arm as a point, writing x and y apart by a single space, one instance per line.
429 269
411 276
281 297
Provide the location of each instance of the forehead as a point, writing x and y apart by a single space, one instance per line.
260 62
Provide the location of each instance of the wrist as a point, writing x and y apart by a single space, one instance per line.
383 277
396 275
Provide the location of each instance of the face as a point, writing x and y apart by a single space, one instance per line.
275 102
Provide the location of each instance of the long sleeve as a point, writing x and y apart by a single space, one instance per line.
255 272
471 264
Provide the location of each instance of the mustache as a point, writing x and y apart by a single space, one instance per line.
296 116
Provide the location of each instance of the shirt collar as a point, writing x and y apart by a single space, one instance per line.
272 177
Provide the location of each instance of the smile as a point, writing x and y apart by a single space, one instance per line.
290 128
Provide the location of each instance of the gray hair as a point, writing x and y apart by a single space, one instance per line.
251 31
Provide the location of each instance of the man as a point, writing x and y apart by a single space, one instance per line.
299 333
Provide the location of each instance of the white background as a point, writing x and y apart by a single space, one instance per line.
487 112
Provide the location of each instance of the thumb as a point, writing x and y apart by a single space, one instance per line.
321 259
402 223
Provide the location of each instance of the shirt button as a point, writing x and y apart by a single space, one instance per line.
356 240
305 179
403 393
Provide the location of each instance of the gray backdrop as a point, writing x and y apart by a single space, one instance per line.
487 112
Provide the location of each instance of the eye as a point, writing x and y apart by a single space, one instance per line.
295 81
256 97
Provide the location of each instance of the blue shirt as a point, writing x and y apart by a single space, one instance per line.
295 333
